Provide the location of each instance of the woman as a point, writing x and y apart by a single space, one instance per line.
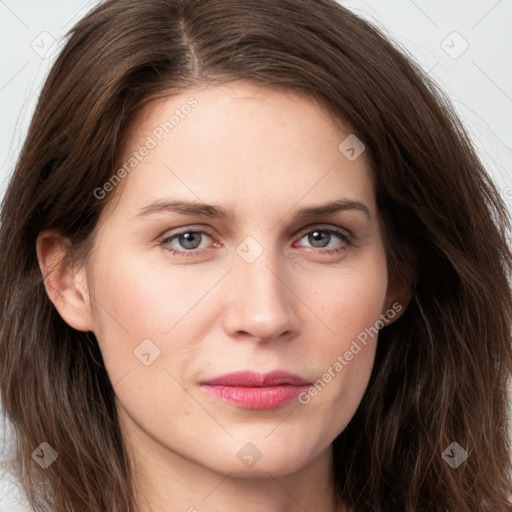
172 338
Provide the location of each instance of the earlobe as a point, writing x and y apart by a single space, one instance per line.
65 284
394 311
397 300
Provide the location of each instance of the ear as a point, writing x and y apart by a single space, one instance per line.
66 284
397 299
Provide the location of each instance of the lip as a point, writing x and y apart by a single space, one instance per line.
254 390
257 379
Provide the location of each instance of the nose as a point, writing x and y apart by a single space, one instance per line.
259 304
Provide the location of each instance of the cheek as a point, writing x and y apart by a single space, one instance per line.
349 348
142 293
139 298
347 301
349 305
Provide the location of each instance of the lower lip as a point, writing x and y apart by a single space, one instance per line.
262 398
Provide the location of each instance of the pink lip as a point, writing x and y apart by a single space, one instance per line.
253 390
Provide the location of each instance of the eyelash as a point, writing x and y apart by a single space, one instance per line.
347 239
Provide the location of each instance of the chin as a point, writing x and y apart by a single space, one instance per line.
258 459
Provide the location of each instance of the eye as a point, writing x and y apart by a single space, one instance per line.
320 238
189 240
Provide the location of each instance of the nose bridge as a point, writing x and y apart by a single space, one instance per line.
260 305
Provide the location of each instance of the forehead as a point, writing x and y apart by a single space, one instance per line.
240 145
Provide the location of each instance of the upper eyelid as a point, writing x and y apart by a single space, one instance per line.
325 227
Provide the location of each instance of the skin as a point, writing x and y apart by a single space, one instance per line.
263 154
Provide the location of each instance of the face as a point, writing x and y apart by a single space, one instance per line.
181 296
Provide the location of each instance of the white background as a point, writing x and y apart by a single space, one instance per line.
478 80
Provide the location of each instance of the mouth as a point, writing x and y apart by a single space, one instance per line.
253 390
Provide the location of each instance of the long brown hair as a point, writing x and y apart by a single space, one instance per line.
441 372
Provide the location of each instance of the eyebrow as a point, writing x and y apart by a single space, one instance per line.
218 212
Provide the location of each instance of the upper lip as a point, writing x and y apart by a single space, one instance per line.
257 379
